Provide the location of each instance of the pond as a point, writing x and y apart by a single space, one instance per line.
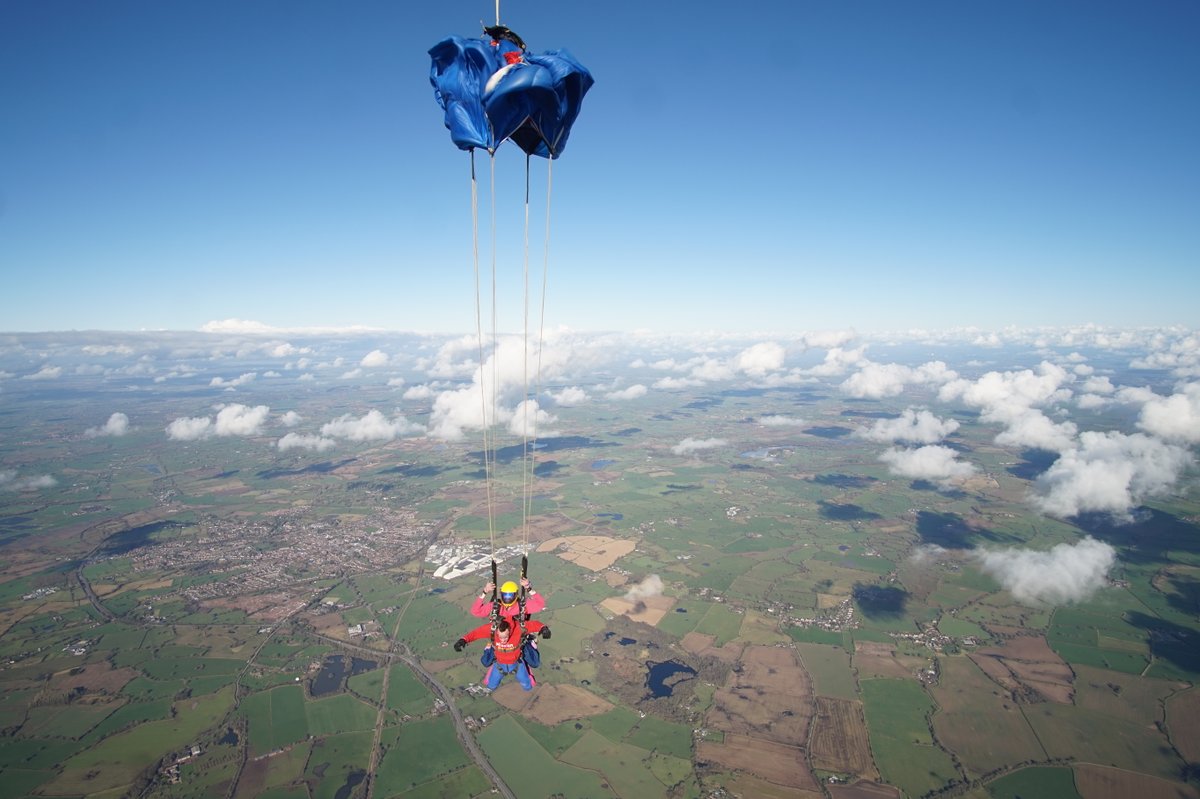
334 672
659 673
352 780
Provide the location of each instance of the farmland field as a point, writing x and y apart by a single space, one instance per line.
745 594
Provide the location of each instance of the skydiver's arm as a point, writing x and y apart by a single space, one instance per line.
482 631
534 602
481 607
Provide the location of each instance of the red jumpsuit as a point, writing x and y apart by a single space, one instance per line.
508 654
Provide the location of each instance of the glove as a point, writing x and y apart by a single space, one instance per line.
459 644
545 633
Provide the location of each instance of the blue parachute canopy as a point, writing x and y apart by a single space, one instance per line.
493 90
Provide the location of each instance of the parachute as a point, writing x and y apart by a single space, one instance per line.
493 90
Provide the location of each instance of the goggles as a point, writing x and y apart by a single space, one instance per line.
507 597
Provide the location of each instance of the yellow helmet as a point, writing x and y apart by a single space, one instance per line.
508 593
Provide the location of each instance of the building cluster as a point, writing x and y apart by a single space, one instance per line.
836 619
456 558
39 593
170 771
80 647
932 638
265 555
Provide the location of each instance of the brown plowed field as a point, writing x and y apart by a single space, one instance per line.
864 790
1183 720
839 739
874 659
770 698
554 704
701 644
1101 782
774 762
594 552
1027 663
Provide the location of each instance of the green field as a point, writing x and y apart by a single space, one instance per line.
897 714
1038 782
419 753
530 771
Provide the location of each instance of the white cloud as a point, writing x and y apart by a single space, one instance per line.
1010 399
633 392
232 420
912 427
395 382
237 326
569 397
838 361
1110 473
1067 573
237 381
1135 395
117 425
240 420
936 463
505 379
1032 428
353 373
107 349
878 380
1098 385
780 421
828 339
761 358
1175 418
371 426
290 419
189 428
651 586
252 328
45 373
419 393
1181 355
302 441
709 370
926 553
666 384
1001 394
10 482
1091 402
690 445
286 350
529 419
374 358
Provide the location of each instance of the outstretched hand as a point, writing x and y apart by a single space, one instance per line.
545 633
489 588
459 644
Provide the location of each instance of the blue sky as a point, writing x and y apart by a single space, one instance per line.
773 166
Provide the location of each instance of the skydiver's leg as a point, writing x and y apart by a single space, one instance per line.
492 677
524 676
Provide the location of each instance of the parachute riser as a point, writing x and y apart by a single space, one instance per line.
495 598
524 576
